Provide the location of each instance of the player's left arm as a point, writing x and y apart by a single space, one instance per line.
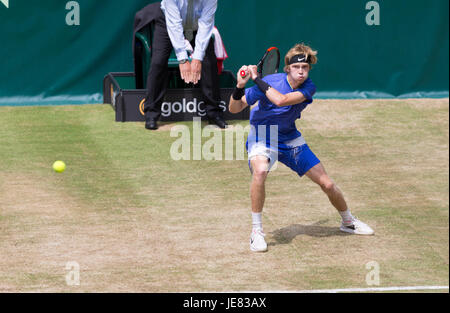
274 95
282 100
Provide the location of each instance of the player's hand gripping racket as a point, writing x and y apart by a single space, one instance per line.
268 64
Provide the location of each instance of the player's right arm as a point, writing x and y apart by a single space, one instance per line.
237 99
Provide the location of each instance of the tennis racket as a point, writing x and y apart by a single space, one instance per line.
268 64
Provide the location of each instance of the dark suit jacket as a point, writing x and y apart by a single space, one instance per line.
142 19
145 16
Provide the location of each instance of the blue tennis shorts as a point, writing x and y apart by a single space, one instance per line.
300 159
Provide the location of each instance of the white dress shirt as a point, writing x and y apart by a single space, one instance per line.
176 11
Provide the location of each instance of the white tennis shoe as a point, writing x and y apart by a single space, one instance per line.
357 228
257 242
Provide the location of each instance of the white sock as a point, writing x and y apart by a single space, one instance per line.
257 220
347 217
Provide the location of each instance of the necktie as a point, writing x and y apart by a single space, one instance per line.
189 26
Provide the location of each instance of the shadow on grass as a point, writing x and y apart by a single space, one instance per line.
287 234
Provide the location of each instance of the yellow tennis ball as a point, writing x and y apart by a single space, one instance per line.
59 166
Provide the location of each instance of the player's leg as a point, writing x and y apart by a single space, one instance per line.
260 169
303 161
318 175
350 224
259 166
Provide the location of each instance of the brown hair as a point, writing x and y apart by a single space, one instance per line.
301 48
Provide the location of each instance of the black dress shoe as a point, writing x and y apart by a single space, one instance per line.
151 124
218 121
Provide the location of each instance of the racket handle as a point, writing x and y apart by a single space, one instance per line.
243 74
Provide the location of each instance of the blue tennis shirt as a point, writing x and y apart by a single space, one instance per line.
266 113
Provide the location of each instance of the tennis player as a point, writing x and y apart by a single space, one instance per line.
280 100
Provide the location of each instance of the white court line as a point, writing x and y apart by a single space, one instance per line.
355 289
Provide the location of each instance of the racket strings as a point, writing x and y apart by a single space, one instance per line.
270 63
